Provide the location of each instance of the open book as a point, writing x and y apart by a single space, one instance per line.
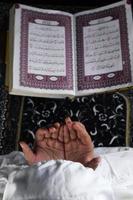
55 53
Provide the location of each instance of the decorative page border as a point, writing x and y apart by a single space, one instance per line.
121 77
29 80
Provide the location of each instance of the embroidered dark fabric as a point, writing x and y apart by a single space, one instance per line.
9 109
104 116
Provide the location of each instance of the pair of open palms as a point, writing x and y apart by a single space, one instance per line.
70 141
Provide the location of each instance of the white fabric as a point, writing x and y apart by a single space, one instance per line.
8 163
118 169
66 180
121 165
56 180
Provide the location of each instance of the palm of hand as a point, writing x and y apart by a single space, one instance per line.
48 149
48 146
79 147
76 151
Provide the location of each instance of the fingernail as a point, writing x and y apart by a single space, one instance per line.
21 144
68 120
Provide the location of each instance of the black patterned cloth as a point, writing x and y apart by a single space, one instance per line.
9 109
104 116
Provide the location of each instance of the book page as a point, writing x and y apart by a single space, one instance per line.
102 48
46 50
43 56
103 52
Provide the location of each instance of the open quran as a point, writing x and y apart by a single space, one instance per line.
56 54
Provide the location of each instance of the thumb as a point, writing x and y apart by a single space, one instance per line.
28 154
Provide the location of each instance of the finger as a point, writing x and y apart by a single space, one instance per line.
72 132
46 133
28 154
68 122
57 125
61 134
53 133
82 133
40 133
55 130
66 134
